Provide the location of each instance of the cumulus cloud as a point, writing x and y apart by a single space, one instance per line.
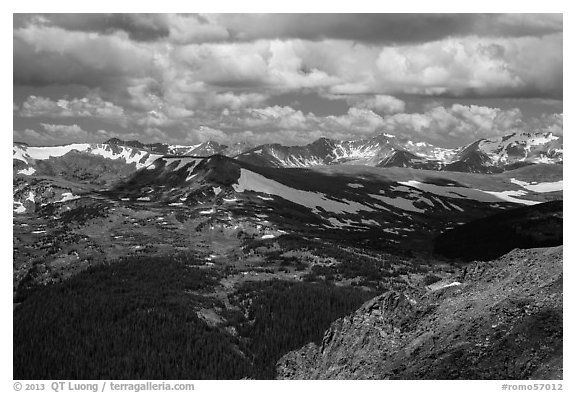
91 106
378 102
467 66
235 101
383 28
140 27
370 28
447 126
54 134
548 122
47 55
475 67
457 124
187 77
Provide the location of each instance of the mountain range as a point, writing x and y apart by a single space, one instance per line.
482 156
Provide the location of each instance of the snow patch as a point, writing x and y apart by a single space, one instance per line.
19 207
68 196
470 193
28 171
265 198
140 158
399 202
435 287
540 187
509 196
252 181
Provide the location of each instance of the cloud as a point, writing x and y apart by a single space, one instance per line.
356 121
139 27
389 29
474 67
48 55
235 101
451 126
185 77
186 29
377 102
204 134
458 124
54 134
91 106
64 130
386 28
549 122
455 67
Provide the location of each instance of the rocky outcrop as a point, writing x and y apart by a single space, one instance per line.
504 321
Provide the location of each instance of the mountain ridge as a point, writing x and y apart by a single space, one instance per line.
492 155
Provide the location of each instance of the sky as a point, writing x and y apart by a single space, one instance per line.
447 79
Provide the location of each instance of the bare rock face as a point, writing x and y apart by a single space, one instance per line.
494 320
373 334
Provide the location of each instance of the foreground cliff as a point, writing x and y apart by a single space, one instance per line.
494 320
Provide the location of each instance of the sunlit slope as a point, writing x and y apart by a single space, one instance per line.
392 203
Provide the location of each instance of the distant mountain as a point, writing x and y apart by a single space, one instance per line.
498 154
159 148
483 156
405 159
375 151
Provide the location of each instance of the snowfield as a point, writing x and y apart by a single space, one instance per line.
180 163
540 187
28 171
251 181
471 193
399 202
442 285
131 156
19 207
44 153
68 196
